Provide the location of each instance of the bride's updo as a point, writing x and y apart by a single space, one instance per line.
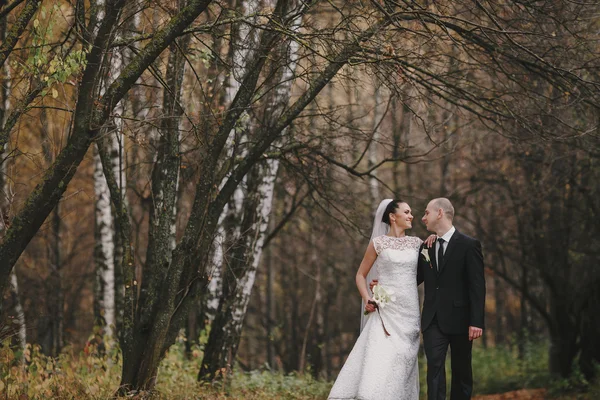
390 209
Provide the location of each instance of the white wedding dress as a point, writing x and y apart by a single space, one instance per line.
382 367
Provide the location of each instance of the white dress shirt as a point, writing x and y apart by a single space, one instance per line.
446 238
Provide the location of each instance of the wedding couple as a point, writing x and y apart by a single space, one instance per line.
383 363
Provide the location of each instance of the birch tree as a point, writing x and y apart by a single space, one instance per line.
233 277
104 253
107 257
243 43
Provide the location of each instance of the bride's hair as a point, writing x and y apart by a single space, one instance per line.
390 209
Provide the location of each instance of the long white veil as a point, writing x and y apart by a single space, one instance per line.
379 228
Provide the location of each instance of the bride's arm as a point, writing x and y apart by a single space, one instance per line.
361 276
430 241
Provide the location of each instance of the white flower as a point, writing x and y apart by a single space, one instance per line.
381 296
425 253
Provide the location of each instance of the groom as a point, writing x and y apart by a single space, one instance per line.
453 310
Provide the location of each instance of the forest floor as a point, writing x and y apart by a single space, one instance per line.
531 394
523 394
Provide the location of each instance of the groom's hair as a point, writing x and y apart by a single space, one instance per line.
444 204
390 209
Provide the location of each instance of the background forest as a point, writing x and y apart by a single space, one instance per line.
187 187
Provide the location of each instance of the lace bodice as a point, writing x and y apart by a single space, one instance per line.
396 263
384 242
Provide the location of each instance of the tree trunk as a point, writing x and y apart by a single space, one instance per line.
19 314
107 254
590 326
55 286
397 149
270 310
240 274
374 147
524 331
240 51
229 220
252 210
316 334
141 361
401 133
499 337
563 339
57 298
20 339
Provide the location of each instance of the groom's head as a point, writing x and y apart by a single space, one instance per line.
438 215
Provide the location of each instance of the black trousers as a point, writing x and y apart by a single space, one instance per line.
436 344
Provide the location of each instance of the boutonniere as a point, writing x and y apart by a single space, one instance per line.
425 253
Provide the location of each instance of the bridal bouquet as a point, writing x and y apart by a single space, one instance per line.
381 297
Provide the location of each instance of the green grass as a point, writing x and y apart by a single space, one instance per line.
499 369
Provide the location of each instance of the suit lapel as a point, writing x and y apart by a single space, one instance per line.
431 251
450 249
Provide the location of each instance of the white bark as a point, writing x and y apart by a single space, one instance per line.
256 199
215 289
5 87
107 252
19 313
173 236
266 187
254 239
105 249
254 243
241 48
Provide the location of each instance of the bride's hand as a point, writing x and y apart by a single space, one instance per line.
369 307
372 284
430 240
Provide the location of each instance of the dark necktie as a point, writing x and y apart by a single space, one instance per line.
440 258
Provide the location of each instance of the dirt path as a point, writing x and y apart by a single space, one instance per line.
525 394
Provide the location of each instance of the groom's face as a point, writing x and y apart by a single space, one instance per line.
430 218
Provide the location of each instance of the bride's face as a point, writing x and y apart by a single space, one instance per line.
403 217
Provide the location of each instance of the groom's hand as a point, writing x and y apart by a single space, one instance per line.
475 332
372 284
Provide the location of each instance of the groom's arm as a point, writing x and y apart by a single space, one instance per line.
476 281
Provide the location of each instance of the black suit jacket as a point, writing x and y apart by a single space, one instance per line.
456 294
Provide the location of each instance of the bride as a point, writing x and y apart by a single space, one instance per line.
383 363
